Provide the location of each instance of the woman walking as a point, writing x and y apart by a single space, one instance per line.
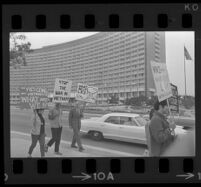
38 132
54 116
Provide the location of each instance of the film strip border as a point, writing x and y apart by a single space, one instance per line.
114 166
102 17
90 21
181 17
101 170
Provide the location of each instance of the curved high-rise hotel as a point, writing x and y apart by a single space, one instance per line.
118 63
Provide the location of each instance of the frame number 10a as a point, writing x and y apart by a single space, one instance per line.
102 176
99 176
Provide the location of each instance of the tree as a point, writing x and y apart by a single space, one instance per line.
136 101
18 47
151 100
188 102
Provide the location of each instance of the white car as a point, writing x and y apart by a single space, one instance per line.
127 127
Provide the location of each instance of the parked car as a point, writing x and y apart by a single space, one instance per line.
185 122
127 127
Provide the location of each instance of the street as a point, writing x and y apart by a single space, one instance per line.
21 122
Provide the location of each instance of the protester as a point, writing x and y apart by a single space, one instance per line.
56 128
38 132
161 132
75 116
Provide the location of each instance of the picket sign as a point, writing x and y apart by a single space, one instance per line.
162 83
86 93
62 90
161 80
33 97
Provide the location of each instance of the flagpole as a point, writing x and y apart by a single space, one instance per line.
184 70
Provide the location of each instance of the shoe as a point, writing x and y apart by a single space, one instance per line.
57 153
46 148
81 149
73 146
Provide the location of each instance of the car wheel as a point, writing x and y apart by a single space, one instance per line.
95 135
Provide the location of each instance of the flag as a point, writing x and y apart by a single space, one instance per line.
186 54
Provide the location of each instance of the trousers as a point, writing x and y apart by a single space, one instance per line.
56 138
35 139
76 137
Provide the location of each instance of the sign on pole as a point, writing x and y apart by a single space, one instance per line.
33 97
161 80
174 100
62 90
86 93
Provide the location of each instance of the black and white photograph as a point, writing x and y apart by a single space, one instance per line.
102 94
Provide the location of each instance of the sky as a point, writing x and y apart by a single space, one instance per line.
175 42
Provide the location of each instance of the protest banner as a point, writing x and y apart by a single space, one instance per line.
86 93
62 91
174 100
33 98
161 80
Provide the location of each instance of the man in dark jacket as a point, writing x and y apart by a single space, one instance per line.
75 116
161 132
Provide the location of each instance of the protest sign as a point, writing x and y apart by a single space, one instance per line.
161 80
33 97
86 93
174 100
62 91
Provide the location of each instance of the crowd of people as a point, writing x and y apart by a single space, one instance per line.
54 117
161 130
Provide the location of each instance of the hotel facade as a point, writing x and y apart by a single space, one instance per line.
118 63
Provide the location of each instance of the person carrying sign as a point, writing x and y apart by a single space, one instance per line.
38 132
56 128
161 132
75 116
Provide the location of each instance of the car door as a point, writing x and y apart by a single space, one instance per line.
110 127
141 127
129 129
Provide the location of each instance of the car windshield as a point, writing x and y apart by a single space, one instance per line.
141 121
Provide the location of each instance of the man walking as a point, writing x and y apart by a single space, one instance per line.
75 116
161 132
56 128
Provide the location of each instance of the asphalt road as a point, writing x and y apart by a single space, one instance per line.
21 122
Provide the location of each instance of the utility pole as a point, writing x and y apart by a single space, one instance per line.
185 75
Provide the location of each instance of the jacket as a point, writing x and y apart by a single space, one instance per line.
75 118
56 122
36 128
160 134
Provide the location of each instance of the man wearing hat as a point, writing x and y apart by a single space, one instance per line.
75 116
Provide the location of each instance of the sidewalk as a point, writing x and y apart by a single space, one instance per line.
20 143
